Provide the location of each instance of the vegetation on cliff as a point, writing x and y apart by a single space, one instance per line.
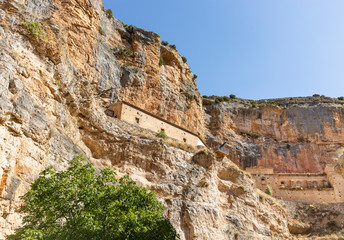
80 204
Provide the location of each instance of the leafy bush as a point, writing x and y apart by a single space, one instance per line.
232 96
341 98
190 96
316 95
125 51
268 190
195 76
35 28
173 46
254 135
109 13
79 203
184 59
164 43
162 135
226 99
288 146
219 99
161 62
205 96
130 28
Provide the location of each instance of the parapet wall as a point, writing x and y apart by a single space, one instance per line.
307 188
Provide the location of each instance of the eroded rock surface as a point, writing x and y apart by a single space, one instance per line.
55 85
296 135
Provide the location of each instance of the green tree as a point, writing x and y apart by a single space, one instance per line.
162 135
79 203
268 190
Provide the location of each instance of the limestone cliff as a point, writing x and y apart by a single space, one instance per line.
292 135
61 64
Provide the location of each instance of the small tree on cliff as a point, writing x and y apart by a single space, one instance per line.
268 190
80 204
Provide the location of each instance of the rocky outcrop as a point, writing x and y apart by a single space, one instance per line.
61 64
294 135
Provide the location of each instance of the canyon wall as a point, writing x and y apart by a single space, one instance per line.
62 63
292 135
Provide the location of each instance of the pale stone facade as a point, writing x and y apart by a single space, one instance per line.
301 187
134 115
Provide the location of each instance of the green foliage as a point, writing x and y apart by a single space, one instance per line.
255 134
251 134
232 96
254 105
316 95
226 99
109 13
184 59
205 96
79 204
219 99
161 62
268 190
288 146
162 135
130 28
101 31
35 28
125 51
195 76
190 96
273 103
164 43
340 98
173 46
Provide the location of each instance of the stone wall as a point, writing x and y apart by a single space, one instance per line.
307 188
140 118
336 180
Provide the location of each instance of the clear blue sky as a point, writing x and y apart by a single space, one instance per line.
252 48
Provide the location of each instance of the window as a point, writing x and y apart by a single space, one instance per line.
137 120
262 180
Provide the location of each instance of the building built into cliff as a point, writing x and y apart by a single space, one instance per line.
142 118
327 187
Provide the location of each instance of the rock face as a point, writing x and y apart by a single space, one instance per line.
296 135
61 64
